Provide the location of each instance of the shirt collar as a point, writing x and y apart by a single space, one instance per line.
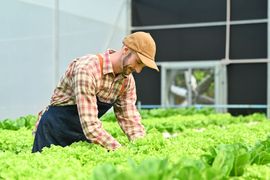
107 64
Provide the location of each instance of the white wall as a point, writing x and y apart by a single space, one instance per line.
26 45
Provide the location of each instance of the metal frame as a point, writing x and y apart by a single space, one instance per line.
268 64
129 17
221 83
55 43
203 24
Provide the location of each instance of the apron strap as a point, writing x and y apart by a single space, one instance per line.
100 63
101 69
123 86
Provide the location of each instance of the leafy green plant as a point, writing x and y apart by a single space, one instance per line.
260 154
27 122
199 146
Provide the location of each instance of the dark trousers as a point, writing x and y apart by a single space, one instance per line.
59 125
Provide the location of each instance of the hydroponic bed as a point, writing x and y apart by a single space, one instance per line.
180 144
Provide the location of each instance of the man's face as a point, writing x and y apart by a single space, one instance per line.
131 63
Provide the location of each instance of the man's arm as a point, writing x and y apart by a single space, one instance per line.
85 85
127 114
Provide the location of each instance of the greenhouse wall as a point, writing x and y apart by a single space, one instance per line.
192 31
38 39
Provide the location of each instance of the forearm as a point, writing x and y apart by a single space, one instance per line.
94 131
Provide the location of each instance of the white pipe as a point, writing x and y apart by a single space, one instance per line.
129 16
228 18
194 25
56 42
243 61
234 106
268 55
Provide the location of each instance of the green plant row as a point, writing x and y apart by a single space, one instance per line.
198 146
29 120
191 117
25 121
165 112
221 162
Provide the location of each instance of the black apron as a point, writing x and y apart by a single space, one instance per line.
60 125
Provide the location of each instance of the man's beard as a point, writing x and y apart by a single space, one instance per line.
126 69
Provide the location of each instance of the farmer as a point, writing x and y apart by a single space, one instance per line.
91 85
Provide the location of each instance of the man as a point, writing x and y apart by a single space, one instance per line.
91 85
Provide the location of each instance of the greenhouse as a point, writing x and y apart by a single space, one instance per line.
135 89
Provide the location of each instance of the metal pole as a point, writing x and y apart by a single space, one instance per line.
268 64
227 51
217 81
243 61
195 25
188 77
228 18
129 16
163 86
222 106
56 42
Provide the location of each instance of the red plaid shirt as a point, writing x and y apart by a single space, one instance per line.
82 83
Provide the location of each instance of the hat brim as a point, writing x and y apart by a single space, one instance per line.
148 62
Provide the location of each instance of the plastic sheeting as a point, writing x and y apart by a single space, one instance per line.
27 48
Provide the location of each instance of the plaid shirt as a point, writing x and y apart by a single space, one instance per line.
82 83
